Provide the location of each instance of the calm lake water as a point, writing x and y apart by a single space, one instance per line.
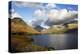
57 41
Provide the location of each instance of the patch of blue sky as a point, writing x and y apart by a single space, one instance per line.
27 12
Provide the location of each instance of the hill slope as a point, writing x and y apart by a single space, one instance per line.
61 28
23 43
18 25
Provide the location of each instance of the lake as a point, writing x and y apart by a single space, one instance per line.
57 41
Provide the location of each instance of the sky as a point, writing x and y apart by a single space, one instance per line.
43 14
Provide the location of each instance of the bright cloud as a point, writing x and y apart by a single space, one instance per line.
12 11
50 5
47 14
28 4
55 16
61 15
15 14
40 14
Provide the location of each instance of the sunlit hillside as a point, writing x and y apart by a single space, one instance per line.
18 25
61 28
56 29
72 26
21 42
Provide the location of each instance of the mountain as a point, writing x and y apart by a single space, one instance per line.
68 27
20 42
38 28
55 29
18 25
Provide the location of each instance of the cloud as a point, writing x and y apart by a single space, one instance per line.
47 14
39 17
57 15
28 4
12 11
50 6
40 14
33 4
14 14
36 22
60 16
54 16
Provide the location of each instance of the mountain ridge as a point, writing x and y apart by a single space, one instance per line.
18 25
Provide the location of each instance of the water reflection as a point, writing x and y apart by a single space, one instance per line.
57 41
